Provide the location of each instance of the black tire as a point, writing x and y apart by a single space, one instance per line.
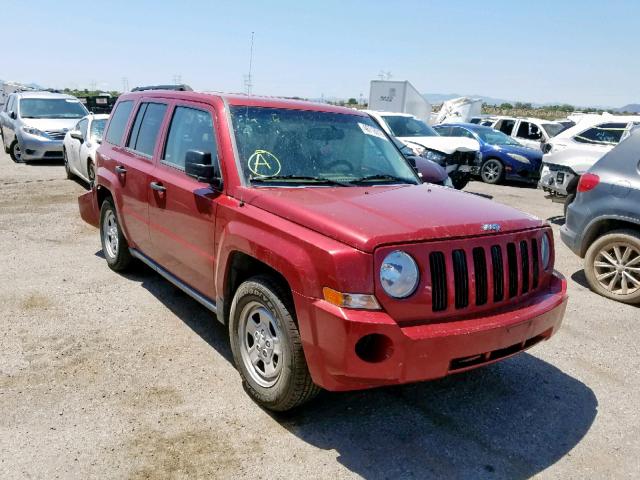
67 170
597 275
292 386
459 181
492 171
568 201
91 173
115 252
15 152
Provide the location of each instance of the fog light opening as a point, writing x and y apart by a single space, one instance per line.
374 348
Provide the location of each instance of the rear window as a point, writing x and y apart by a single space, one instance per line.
119 122
146 127
603 134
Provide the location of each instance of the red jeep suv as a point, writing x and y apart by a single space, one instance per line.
303 228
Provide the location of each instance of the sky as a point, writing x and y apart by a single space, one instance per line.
577 52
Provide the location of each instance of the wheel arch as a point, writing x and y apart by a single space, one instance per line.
602 226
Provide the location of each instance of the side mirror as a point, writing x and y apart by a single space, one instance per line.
77 134
198 165
13 115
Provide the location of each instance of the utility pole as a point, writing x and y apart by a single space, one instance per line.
125 84
177 79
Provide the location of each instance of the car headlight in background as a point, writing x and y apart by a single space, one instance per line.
545 251
34 131
434 156
399 274
519 158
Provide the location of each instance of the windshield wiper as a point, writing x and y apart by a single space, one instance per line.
380 176
302 178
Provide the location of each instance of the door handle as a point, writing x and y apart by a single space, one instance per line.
158 187
120 169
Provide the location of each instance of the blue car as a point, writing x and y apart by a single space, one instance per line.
503 158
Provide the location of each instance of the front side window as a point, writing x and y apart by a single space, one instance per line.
118 122
461 132
277 145
553 129
402 126
9 107
190 129
51 108
494 137
146 127
82 126
603 134
97 129
443 131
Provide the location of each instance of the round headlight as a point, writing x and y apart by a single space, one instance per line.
545 251
399 274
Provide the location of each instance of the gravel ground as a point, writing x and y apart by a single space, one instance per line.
123 376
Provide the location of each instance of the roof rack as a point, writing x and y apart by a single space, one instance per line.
181 88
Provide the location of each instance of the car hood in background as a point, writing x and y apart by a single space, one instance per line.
51 124
367 217
446 145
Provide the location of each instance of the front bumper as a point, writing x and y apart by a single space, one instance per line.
38 148
419 352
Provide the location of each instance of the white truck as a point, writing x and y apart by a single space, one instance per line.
458 155
398 97
530 132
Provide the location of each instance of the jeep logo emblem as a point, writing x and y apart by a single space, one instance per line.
491 227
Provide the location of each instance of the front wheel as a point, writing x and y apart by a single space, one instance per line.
67 169
91 173
492 171
114 244
15 151
612 266
266 346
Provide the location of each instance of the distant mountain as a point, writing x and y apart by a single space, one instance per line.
632 107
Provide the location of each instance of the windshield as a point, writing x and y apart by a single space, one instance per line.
408 126
51 108
494 137
553 129
305 147
97 128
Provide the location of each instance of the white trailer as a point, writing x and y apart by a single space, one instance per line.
398 96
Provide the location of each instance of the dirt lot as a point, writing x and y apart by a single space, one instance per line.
111 376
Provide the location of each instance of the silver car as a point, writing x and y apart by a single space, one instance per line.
33 124
603 223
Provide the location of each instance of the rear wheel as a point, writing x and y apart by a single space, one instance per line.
266 346
612 266
114 244
492 171
15 151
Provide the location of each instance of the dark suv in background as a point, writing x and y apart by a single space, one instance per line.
603 223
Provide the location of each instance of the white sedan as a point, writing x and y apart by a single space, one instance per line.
80 145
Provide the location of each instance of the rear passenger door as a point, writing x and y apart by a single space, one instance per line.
131 161
182 210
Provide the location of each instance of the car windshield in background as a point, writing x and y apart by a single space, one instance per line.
97 128
494 137
402 126
283 146
51 108
553 129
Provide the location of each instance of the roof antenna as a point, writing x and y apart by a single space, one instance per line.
248 80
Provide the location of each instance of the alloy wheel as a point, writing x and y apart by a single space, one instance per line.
260 344
617 268
110 233
17 151
491 171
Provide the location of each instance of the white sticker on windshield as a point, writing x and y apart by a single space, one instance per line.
373 131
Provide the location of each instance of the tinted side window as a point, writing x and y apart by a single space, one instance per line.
460 132
146 127
119 122
529 131
190 129
82 126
